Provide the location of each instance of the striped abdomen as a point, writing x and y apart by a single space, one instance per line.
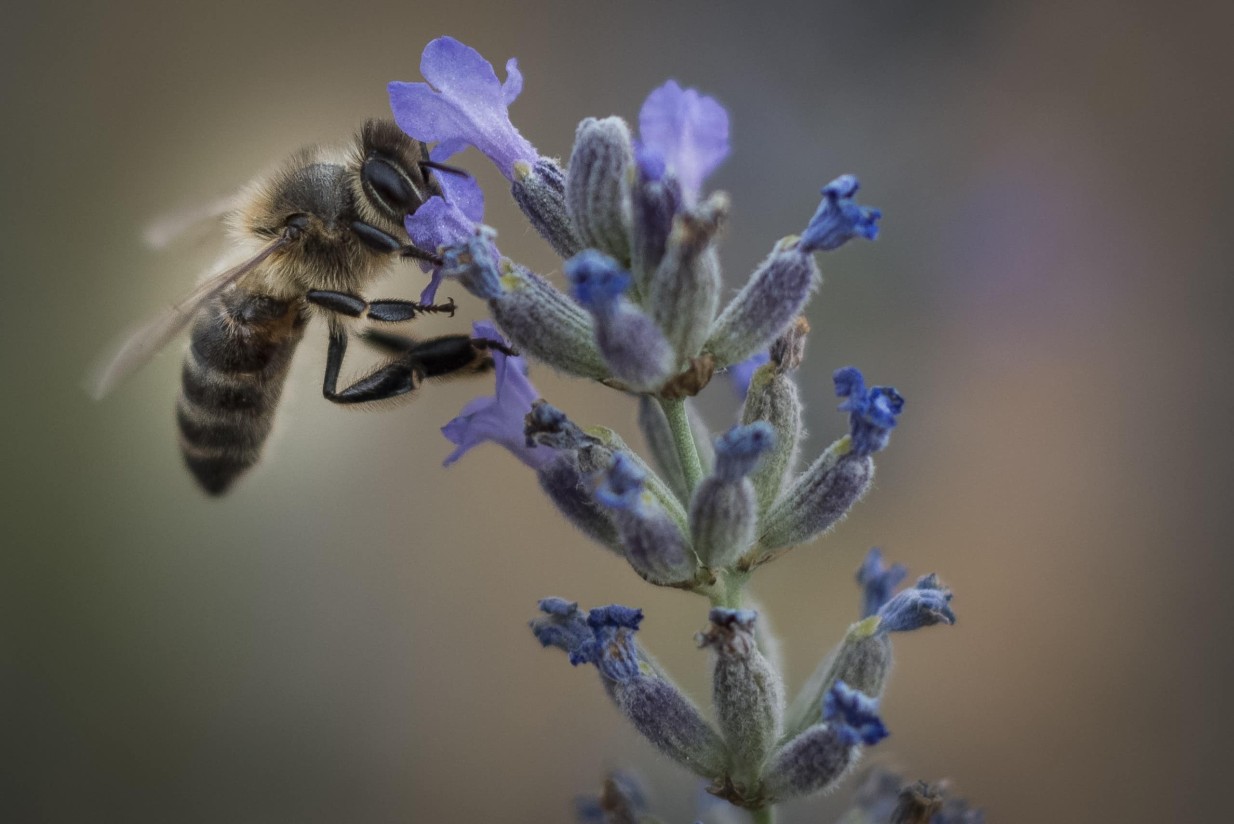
241 349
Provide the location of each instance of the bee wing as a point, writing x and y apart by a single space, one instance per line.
142 344
161 233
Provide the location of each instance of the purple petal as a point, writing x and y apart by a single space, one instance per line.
513 87
464 192
688 131
498 418
434 225
462 103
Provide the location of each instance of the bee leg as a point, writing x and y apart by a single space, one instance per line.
389 343
436 357
387 311
396 378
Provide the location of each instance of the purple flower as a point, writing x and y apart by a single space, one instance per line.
872 412
838 219
684 133
462 104
877 581
441 223
853 715
498 418
924 605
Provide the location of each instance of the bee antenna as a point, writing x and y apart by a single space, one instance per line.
442 167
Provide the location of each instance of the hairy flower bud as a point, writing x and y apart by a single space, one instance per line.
546 324
748 694
723 511
653 543
771 300
817 500
773 398
630 342
641 691
862 660
820 756
597 191
539 189
684 293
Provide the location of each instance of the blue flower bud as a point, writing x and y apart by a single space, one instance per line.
739 450
653 542
539 189
838 218
769 302
684 292
877 581
622 486
746 690
641 691
564 625
853 715
819 757
597 192
614 652
923 605
872 412
632 345
724 510
817 500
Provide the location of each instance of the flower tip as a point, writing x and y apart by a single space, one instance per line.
853 714
598 279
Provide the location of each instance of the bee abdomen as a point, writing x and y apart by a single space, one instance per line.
232 378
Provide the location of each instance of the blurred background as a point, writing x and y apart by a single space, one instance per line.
344 637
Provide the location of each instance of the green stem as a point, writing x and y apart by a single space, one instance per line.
683 438
763 815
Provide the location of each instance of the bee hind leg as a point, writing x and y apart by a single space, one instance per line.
437 357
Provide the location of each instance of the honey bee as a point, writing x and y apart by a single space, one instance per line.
307 239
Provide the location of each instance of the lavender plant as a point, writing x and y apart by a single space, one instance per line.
643 315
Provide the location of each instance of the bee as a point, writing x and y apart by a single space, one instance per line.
307 239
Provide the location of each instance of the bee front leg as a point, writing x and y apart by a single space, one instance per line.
386 311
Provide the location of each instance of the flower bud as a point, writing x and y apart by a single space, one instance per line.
748 693
539 189
597 193
723 511
654 200
773 398
684 292
641 691
817 500
546 324
653 543
631 344
862 660
819 757
774 296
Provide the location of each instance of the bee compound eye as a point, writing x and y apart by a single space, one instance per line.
389 187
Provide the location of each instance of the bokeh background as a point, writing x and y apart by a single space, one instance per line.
344 638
